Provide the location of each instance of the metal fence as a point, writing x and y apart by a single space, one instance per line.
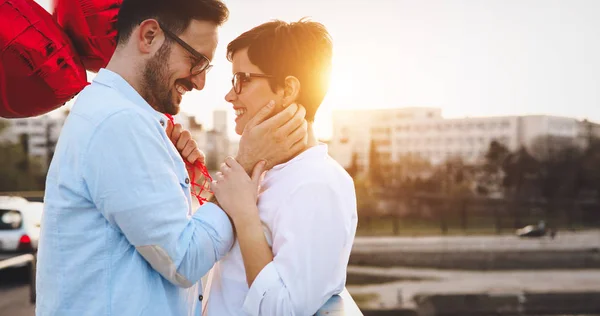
443 215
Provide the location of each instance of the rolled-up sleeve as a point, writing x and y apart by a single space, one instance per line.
132 178
308 244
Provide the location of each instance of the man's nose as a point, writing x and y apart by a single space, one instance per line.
199 80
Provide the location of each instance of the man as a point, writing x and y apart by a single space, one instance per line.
118 233
292 250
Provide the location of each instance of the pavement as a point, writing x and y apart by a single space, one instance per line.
14 293
402 293
477 275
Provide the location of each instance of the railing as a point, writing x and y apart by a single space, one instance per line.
28 259
435 214
35 196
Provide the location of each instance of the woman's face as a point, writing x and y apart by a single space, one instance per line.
256 91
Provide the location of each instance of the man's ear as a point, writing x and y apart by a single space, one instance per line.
291 91
149 36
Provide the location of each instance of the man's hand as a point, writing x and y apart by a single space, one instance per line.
182 139
188 149
274 140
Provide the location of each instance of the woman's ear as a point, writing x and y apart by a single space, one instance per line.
291 90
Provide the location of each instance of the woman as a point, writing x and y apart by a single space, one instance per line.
295 233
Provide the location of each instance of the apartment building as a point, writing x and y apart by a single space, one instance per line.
424 132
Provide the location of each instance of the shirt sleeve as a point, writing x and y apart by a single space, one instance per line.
308 245
132 179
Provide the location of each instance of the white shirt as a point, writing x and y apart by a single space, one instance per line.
308 210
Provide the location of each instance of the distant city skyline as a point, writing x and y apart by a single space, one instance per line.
424 134
469 58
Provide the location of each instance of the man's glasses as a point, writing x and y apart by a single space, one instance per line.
240 77
202 62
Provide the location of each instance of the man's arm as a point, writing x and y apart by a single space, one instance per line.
136 184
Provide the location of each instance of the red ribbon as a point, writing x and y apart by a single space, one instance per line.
191 168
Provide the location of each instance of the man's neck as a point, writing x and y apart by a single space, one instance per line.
122 64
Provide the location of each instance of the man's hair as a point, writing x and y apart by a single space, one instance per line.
301 49
175 15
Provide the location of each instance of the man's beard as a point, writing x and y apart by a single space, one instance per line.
155 78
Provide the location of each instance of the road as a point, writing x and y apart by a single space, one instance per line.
14 293
584 240
411 282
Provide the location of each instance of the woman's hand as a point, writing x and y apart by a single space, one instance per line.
236 192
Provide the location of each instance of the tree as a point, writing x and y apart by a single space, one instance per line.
495 156
590 168
365 198
18 172
456 177
413 167
560 174
375 167
520 170
490 175
560 167
353 168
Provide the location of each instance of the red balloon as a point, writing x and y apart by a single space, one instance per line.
91 25
40 70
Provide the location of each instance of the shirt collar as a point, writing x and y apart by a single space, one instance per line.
318 151
115 81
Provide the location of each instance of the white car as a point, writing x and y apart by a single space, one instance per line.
19 226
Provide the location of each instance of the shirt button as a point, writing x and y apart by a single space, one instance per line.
187 180
200 298
162 123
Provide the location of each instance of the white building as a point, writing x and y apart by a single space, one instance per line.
220 121
215 143
424 132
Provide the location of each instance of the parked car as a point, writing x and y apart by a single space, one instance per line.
19 226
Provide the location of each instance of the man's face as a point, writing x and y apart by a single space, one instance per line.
255 94
166 75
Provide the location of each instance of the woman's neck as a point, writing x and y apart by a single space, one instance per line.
312 141
312 137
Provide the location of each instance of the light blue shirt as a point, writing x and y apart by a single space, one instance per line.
118 236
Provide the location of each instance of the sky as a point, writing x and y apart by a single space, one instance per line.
467 57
